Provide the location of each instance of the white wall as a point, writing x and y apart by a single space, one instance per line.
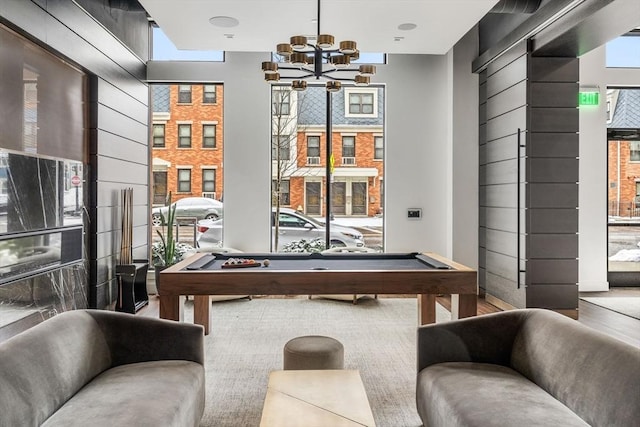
247 142
417 169
418 163
592 217
465 152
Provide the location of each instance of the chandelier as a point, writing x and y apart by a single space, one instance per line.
323 61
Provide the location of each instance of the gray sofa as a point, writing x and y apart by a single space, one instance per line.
101 368
528 367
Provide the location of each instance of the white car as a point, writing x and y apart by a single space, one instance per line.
194 207
293 226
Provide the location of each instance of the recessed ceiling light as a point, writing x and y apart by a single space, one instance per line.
224 21
407 26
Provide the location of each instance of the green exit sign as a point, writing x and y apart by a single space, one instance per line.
588 98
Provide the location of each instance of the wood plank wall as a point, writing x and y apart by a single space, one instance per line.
503 110
552 184
528 180
118 154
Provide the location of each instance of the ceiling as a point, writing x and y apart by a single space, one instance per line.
373 24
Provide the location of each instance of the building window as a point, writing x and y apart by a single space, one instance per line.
208 136
208 94
360 103
184 180
348 146
158 136
280 147
378 145
184 94
281 102
208 180
184 136
634 148
313 150
285 196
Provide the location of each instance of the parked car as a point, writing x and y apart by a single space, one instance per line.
294 226
193 207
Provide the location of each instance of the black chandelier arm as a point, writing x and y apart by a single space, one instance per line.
302 77
342 79
292 67
343 70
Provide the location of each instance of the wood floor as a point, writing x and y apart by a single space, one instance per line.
617 325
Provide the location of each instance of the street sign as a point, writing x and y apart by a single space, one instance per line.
75 180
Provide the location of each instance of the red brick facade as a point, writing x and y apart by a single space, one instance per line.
196 158
628 174
171 157
364 158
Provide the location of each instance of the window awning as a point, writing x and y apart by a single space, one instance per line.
159 164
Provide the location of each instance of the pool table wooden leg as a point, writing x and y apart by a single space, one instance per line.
463 305
201 312
170 308
426 309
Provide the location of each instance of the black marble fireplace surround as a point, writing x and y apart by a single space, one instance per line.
43 267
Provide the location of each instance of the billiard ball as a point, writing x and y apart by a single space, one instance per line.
266 263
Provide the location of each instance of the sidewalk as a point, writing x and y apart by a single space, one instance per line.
364 224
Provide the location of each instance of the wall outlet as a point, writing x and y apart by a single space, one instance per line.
414 213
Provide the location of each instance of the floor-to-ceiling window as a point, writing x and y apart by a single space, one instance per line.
187 139
299 168
187 152
623 109
623 141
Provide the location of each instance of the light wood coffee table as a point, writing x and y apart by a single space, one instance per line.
316 399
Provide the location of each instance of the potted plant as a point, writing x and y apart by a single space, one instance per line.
167 251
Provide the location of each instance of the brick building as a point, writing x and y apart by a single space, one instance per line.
624 152
357 148
188 146
187 137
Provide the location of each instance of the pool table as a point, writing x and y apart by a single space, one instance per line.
424 274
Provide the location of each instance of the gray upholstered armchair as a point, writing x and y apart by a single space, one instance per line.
528 367
101 368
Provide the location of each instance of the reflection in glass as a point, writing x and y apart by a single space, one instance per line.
38 193
29 254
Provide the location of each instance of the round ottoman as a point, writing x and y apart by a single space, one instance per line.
313 352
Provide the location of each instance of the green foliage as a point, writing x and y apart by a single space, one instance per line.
315 245
164 253
158 252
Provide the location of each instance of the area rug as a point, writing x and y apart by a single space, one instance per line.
629 306
248 337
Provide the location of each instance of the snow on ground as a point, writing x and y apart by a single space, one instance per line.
630 255
359 221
